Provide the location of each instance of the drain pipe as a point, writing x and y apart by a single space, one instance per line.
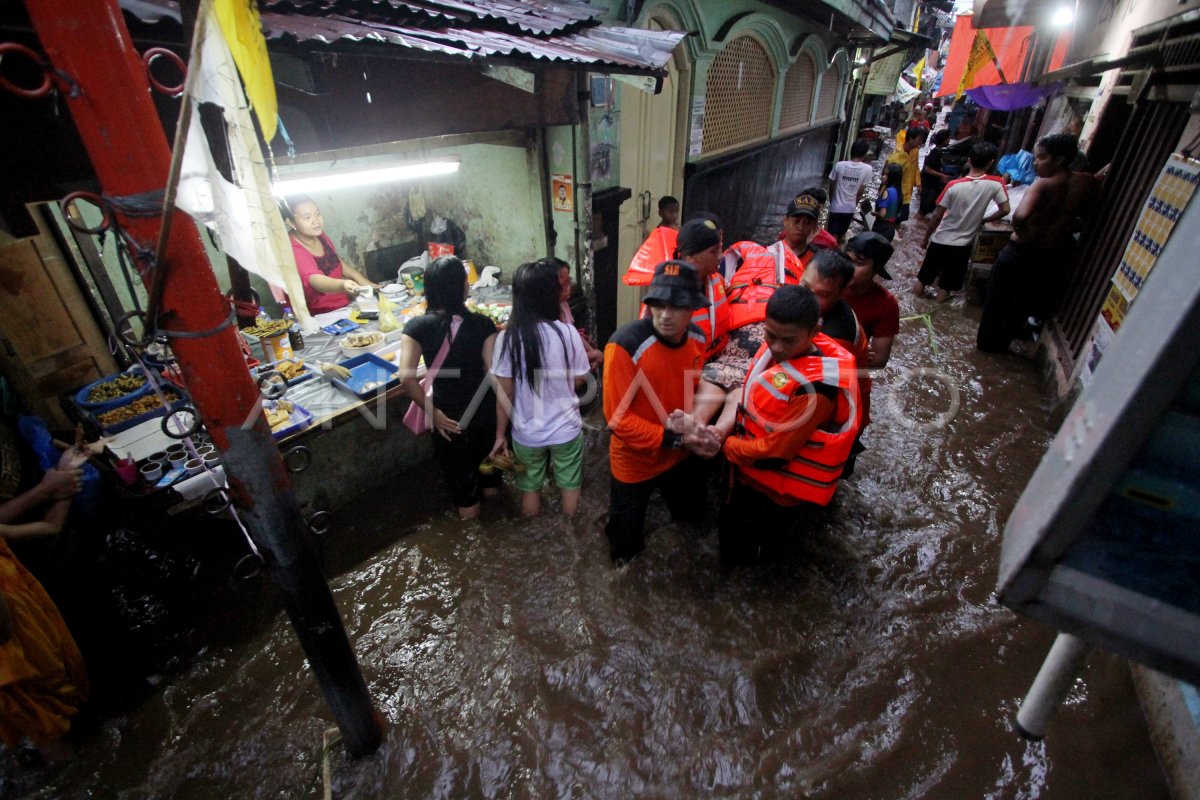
547 202
1051 685
583 208
89 44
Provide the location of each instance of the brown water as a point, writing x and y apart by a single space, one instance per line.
510 659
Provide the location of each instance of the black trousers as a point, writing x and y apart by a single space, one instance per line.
684 488
1025 281
751 524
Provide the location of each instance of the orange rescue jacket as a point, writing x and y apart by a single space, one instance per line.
811 474
762 271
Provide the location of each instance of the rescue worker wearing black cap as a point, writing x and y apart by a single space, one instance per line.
699 244
651 367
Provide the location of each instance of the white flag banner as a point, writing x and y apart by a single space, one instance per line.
224 181
905 91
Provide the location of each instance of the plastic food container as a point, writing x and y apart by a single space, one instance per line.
81 397
372 341
369 375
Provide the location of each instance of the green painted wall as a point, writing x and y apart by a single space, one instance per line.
495 198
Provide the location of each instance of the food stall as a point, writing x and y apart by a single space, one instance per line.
334 404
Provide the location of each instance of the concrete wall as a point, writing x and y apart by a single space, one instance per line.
495 198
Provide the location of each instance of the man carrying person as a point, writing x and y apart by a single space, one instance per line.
961 211
796 422
1038 252
848 183
651 367
827 276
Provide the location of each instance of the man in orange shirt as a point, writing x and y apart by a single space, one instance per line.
651 367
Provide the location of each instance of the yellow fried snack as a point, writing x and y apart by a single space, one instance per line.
290 369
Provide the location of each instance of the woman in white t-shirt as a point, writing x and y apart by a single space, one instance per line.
538 362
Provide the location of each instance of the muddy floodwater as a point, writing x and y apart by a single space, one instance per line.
510 659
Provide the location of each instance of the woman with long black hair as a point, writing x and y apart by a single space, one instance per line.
538 362
464 406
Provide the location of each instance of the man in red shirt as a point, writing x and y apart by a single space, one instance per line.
878 312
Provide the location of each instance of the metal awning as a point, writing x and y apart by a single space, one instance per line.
565 31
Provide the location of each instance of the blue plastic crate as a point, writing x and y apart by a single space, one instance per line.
369 374
81 396
303 376
300 419
174 398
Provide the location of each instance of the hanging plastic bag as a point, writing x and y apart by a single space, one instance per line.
387 319
1018 166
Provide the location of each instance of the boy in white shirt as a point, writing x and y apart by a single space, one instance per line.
960 213
847 184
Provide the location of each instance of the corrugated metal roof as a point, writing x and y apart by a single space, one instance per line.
562 31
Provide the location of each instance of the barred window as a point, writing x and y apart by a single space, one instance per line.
831 87
739 95
798 86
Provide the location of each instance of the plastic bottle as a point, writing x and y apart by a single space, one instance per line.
295 336
262 316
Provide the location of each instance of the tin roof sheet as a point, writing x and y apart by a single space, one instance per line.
547 30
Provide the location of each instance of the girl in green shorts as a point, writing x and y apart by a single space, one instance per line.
538 362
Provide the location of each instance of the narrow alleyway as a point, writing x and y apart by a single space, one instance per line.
510 659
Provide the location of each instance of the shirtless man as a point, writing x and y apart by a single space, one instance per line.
1029 275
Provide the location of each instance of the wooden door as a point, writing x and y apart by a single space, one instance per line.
651 166
49 342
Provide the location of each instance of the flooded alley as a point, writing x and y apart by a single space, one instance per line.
511 659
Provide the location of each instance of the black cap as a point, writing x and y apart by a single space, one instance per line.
697 235
804 205
676 283
875 247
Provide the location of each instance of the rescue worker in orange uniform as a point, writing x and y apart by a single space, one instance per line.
651 367
699 244
797 419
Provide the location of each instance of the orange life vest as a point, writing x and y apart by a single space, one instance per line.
714 320
812 474
762 271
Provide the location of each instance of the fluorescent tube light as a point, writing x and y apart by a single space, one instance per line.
1063 17
304 184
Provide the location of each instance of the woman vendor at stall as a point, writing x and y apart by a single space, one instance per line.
328 283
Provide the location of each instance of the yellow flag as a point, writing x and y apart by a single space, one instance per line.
242 30
981 53
918 70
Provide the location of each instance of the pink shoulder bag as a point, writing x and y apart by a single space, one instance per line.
419 417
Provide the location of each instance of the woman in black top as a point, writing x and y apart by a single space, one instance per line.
464 407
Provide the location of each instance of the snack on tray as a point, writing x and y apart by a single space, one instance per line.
365 339
138 407
279 415
290 369
123 384
268 329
